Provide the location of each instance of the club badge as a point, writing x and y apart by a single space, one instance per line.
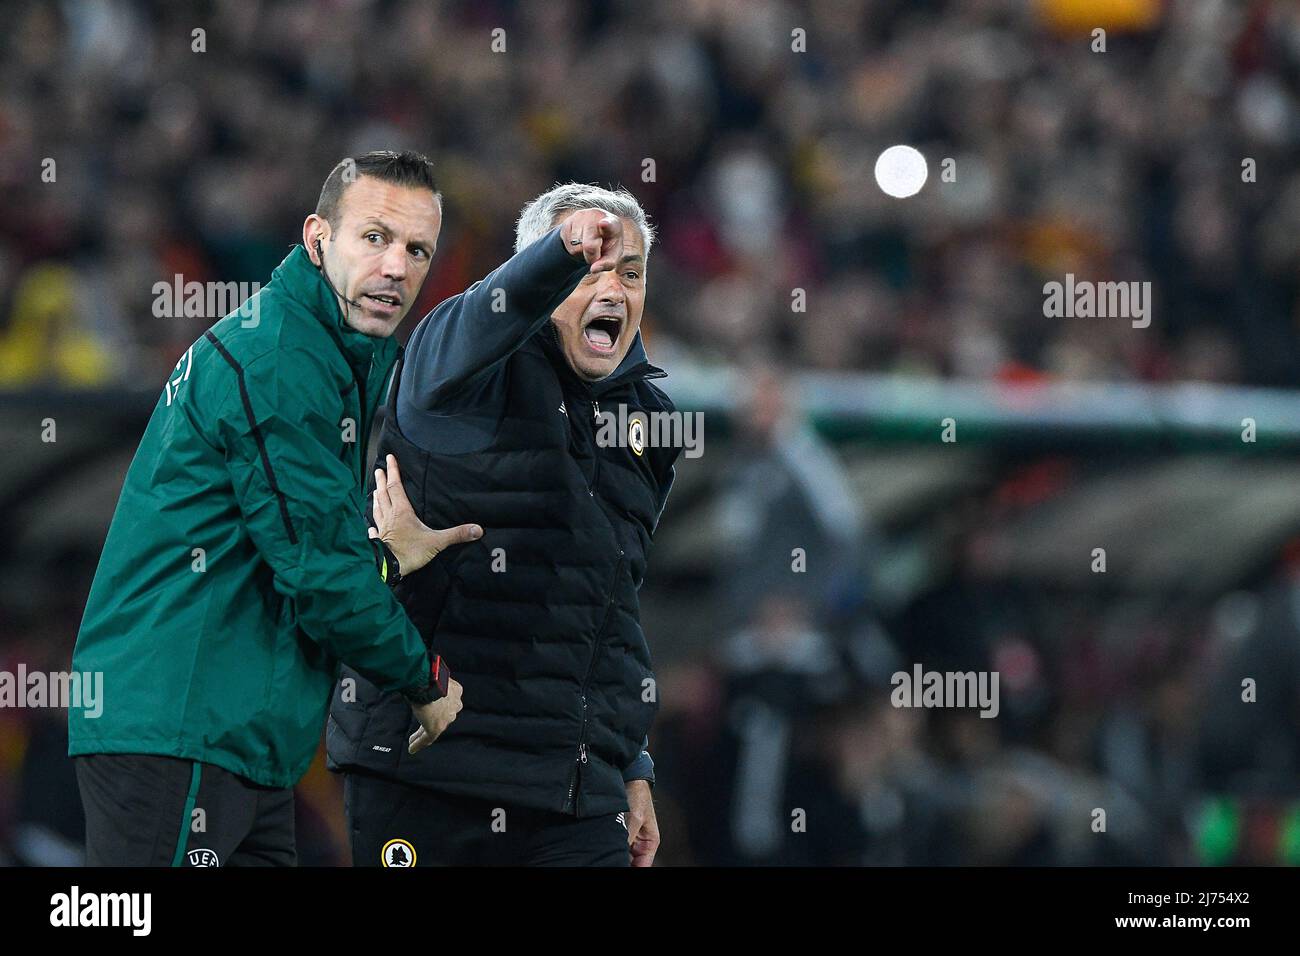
397 853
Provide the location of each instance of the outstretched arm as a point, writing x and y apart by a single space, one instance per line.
470 334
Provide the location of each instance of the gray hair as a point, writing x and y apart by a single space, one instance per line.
538 216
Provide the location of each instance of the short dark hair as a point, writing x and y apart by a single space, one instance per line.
404 168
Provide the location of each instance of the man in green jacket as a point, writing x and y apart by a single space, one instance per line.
238 572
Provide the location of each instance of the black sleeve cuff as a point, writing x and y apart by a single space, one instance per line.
642 768
434 689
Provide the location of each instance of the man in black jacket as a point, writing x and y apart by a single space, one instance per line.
497 413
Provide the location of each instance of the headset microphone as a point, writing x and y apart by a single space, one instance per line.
325 275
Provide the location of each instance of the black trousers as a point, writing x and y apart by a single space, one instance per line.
145 810
393 824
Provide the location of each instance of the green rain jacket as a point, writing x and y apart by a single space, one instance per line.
238 573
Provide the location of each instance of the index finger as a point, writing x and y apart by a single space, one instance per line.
394 473
591 243
418 741
396 490
610 230
382 502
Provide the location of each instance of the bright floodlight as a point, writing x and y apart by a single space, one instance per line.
901 171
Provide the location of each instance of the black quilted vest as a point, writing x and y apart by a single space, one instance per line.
539 619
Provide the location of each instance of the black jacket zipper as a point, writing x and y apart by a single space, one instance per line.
595 447
570 804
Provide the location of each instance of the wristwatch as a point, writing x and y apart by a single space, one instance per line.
435 689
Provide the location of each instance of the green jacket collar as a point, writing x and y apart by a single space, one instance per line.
301 281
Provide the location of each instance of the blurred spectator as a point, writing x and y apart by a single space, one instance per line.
1046 156
45 342
789 522
777 677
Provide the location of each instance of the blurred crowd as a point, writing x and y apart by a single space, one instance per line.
749 130
1131 728
777 742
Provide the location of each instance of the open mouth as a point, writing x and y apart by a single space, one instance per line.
387 302
601 333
